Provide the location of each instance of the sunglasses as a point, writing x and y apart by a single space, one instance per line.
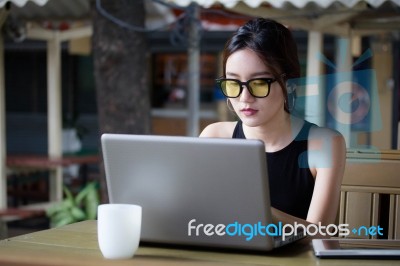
232 88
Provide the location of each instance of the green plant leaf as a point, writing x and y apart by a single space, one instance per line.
59 207
66 220
68 194
73 209
83 193
61 216
77 213
54 209
92 202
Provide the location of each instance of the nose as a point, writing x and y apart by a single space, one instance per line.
245 96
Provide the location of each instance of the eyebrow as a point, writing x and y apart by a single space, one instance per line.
253 74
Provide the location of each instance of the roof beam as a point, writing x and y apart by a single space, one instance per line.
342 23
343 30
76 33
366 25
330 20
288 19
38 33
370 32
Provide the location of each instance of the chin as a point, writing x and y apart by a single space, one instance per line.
250 122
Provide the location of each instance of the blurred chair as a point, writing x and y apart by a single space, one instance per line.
370 193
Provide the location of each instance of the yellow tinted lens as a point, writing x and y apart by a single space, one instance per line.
231 88
259 87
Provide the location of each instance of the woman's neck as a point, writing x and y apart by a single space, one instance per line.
277 133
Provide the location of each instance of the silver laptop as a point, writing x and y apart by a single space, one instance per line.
205 192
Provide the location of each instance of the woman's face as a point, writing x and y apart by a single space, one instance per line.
244 65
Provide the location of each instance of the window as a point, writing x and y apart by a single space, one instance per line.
170 79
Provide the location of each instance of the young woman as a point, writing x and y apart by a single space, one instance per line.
305 162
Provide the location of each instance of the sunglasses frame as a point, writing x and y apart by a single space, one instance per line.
247 84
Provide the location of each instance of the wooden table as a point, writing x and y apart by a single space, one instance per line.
76 244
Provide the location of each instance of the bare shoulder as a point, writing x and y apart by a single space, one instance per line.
219 130
318 134
326 152
327 149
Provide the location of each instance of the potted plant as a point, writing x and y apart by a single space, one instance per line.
75 208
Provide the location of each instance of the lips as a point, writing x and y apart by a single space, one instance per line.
248 111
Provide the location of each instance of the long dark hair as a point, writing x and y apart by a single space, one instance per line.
273 43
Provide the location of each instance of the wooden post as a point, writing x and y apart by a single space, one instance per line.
3 176
192 127
314 110
54 38
54 113
382 63
343 87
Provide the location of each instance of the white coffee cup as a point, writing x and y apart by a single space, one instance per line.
118 230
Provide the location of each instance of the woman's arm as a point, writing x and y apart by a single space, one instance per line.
280 216
327 154
327 158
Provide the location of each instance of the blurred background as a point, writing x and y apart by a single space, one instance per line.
71 70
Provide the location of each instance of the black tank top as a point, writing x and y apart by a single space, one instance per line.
291 183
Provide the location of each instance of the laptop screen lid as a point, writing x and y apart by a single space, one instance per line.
194 191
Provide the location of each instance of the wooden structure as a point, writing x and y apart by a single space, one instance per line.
76 244
370 194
